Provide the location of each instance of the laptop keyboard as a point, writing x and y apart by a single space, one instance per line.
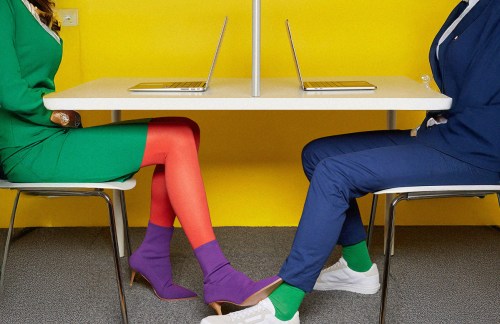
191 84
322 84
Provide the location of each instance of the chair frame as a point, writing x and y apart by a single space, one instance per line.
75 190
416 193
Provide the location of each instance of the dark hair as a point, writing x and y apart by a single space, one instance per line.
46 13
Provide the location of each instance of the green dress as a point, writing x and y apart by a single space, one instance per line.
32 148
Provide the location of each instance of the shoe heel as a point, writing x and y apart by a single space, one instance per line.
217 307
132 277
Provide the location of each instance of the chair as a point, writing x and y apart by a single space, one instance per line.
416 193
75 190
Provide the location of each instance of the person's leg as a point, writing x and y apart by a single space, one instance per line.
161 211
173 144
335 182
355 254
338 180
152 258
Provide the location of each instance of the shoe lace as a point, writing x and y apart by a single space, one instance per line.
248 312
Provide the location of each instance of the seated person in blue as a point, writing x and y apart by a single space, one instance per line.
457 146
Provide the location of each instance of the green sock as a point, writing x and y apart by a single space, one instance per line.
286 300
357 257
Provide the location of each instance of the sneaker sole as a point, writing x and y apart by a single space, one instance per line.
365 290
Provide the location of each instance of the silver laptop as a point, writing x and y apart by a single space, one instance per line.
176 86
325 85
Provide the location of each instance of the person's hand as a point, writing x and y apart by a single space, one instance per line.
66 118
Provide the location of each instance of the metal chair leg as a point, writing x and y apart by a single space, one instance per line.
8 239
123 206
388 248
372 221
126 233
114 240
389 198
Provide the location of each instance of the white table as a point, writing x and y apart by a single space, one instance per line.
393 93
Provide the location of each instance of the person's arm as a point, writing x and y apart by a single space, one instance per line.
16 95
481 88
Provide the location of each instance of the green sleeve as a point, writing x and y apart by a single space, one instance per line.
16 95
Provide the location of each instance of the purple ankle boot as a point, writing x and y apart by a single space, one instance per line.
152 261
223 284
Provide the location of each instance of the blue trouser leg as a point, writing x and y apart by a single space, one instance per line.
343 168
352 231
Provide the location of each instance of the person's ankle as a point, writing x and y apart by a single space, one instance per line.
286 300
357 257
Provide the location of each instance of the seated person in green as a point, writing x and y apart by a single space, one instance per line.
38 145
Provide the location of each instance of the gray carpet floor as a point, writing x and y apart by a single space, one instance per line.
66 275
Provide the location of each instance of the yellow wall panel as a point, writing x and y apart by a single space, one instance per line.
250 160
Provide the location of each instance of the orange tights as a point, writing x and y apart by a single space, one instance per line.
177 186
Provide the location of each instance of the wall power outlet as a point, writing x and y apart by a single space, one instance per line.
69 17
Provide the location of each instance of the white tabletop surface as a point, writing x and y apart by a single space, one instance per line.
393 93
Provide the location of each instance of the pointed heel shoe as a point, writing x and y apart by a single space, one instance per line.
152 262
224 284
166 291
242 292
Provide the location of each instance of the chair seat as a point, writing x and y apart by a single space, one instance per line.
125 185
458 188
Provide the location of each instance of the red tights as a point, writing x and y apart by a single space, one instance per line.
177 186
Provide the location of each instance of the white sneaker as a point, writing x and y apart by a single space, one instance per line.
262 313
340 277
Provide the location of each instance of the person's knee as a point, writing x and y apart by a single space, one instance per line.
184 136
344 178
310 157
192 124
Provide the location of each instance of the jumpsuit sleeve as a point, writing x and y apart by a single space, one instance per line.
481 91
16 95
